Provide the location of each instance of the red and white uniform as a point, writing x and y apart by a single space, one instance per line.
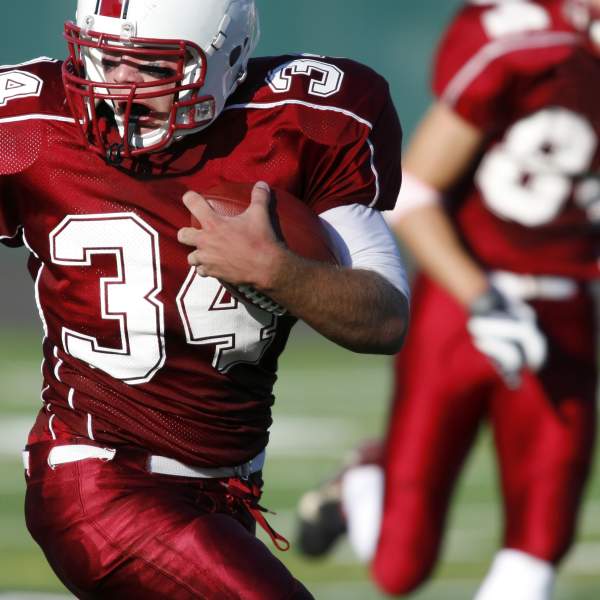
139 351
528 206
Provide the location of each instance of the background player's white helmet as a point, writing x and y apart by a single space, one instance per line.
211 40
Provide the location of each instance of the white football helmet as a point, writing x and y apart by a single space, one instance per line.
210 40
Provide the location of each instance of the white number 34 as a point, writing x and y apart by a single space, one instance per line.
236 332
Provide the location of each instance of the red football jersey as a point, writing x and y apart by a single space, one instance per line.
138 349
519 73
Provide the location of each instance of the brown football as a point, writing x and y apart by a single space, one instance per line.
293 221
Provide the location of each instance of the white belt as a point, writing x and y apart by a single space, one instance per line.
169 466
534 287
59 455
161 465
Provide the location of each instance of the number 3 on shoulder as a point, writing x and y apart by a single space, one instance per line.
325 78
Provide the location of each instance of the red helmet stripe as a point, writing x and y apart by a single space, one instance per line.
112 8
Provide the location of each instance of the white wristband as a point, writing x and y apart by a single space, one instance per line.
414 193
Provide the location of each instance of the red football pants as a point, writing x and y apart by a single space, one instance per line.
113 530
543 431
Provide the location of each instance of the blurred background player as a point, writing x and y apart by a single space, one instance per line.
144 465
500 207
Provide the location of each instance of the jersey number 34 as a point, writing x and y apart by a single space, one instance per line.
237 332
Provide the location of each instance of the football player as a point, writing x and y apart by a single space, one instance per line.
500 207
143 467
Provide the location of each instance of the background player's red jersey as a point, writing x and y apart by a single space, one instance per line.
531 203
140 350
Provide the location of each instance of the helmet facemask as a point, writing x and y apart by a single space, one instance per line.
85 80
207 45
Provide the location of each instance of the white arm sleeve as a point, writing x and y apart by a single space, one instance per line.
363 240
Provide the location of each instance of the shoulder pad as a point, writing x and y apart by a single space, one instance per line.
32 88
338 83
488 46
484 34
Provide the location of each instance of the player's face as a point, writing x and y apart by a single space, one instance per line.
149 113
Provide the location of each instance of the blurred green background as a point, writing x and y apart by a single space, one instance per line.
328 399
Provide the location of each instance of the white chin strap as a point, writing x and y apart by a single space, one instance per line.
141 140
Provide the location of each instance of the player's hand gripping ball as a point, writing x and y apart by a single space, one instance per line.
293 223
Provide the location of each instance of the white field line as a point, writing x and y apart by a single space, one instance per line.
13 436
290 436
327 436
468 546
449 589
21 376
584 559
377 365
32 596
306 436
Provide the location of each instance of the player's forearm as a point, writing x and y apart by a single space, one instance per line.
441 151
355 308
430 238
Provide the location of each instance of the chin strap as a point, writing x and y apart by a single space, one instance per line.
249 493
114 154
132 128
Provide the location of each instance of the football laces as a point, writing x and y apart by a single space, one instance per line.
261 300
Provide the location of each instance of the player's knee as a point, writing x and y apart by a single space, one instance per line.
549 544
551 549
399 576
406 555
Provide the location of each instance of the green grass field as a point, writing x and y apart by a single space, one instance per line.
328 399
